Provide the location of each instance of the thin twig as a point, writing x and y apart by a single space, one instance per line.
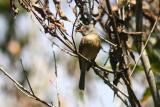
114 88
134 33
131 92
106 61
107 41
103 8
55 66
64 50
73 32
25 73
23 90
131 95
144 47
113 21
144 57
52 33
65 37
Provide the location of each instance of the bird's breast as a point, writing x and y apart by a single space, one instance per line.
91 46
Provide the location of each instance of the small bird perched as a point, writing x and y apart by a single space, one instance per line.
89 47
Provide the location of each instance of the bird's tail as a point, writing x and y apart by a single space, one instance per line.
82 80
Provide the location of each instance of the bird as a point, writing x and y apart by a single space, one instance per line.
89 47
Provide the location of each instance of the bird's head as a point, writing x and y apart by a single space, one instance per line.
87 29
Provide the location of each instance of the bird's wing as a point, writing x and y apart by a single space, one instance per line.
82 50
82 45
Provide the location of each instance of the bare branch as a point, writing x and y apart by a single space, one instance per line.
107 41
64 50
25 73
56 73
23 90
144 47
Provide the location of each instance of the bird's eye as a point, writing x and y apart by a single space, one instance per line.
87 28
